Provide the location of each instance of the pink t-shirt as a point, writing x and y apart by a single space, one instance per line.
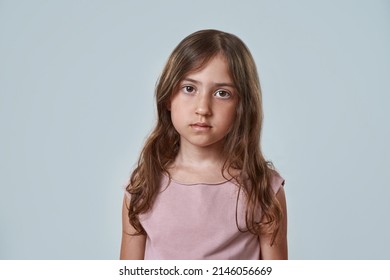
198 221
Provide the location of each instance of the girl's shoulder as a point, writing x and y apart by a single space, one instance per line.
276 180
124 187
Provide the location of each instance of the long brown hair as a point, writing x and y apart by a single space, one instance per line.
242 143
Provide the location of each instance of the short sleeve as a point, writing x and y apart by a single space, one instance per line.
277 181
124 186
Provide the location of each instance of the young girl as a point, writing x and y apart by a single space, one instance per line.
202 188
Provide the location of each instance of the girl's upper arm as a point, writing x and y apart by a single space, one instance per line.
132 246
278 251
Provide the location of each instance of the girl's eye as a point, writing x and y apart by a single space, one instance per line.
188 89
222 94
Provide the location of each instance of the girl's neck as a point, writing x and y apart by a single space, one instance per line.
200 157
196 164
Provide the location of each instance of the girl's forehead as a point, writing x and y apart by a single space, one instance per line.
215 67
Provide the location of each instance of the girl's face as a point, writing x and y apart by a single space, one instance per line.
203 107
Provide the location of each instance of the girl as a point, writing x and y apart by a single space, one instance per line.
202 188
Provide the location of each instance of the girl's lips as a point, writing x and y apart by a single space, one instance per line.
201 126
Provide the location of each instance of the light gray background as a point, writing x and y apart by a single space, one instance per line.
76 103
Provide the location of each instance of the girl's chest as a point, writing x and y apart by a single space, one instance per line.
198 221
196 206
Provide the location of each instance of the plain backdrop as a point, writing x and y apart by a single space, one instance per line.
76 104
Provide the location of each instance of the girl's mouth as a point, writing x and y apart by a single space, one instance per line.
201 126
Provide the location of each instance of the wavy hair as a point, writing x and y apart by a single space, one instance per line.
242 143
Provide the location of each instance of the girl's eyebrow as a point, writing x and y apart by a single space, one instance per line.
217 84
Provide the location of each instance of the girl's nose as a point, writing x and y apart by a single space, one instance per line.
203 105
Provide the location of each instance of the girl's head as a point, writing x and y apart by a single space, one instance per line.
192 54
